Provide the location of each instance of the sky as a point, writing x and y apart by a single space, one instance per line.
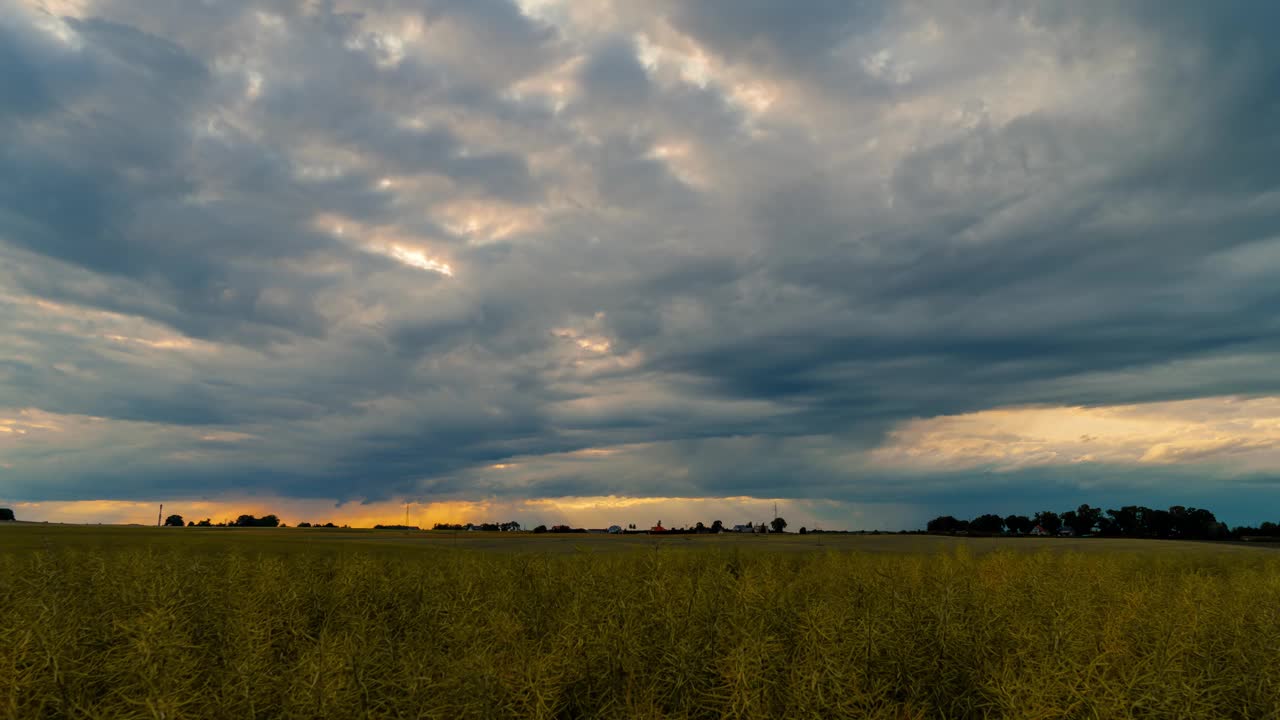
601 261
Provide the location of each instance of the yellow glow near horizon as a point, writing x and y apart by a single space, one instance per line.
600 511
1242 431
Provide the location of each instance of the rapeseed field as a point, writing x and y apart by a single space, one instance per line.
718 631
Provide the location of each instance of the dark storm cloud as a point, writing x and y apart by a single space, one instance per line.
613 74
731 278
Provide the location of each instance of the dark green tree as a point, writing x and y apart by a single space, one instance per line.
1083 519
6 515
1019 524
717 526
987 524
1127 521
946 524
1049 520
1159 523
251 521
778 524
174 521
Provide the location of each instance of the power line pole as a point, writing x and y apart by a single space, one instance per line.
160 515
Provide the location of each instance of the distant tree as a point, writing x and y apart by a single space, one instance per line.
304 524
1069 520
6 515
803 530
778 524
700 527
191 523
1050 521
1018 524
1193 523
988 523
1126 522
1159 523
174 521
540 529
251 521
205 523
946 524
717 526
329 525
1083 519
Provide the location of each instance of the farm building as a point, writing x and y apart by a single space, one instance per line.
1039 530
744 528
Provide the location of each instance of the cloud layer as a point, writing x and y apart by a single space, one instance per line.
497 252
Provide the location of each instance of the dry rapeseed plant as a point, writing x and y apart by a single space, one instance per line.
655 634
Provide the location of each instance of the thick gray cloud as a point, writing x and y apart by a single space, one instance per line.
374 250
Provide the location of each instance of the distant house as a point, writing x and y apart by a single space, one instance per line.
658 528
1065 531
1039 530
615 529
762 529
744 528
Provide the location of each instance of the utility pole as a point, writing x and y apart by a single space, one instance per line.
160 515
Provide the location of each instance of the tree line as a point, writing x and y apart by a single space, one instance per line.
1135 521
511 526
242 521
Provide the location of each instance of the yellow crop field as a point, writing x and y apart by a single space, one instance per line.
135 623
